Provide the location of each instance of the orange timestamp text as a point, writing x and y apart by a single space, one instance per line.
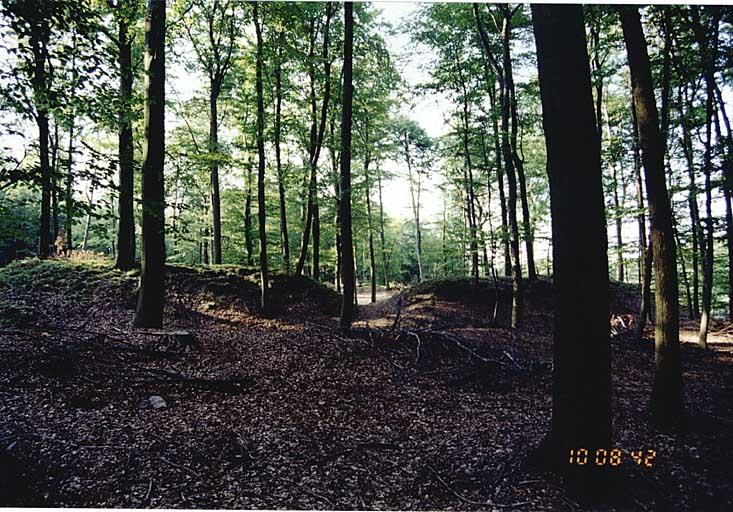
611 457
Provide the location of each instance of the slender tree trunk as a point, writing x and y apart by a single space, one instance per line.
248 241
708 56
88 223
728 189
500 185
414 184
284 240
151 294
697 233
666 400
126 208
261 219
39 43
645 251
581 409
347 305
385 269
618 222
370 232
214 169
54 183
316 139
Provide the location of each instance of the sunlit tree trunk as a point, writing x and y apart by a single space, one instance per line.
666 401
261 218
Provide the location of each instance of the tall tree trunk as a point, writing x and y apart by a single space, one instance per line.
385 269
39 44
214 169
347 305
126 208
666 400
248 242
370 232
709 54
316 141
415 186
470 199
517 293
284 240
581 409
697 233
645 251
261 219
54 182
728 189
88 223
500 185
151 293
618 222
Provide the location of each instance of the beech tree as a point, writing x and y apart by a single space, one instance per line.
347 249
151 293
581 409
666 401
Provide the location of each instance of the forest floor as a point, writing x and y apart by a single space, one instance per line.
434 410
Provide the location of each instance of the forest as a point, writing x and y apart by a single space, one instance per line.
366 256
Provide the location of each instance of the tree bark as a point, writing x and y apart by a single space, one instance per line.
385 269
248 243
151 294
347 304
261 219
316 141
581 410
284 239
126 208
370 232
39 43
666 401
214 170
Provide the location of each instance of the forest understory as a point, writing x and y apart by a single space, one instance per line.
431 410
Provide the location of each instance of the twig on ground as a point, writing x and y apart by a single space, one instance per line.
472 502
185 468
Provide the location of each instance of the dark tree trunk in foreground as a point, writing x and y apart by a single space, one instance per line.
347 249
666 402
214 171
152 278
264 277
126 226
581 415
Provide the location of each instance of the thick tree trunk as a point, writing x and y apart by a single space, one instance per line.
126 208
151 293
347 304
261 218
581 410
666 401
